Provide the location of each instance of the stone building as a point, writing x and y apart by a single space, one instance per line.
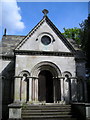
41 67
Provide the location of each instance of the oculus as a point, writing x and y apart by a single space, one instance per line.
46 40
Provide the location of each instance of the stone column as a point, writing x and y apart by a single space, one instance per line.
85 91
33 89
62 89
17 90
30 89
77 90
70 91
24 90
54 91
74 89
36 89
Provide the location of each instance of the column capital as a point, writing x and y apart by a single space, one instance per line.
59 77
73 78
27 77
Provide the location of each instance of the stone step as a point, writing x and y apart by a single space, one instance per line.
51 119
48 116
45 113
45 107
46 110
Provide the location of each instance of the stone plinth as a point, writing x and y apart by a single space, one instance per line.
15 111
82 109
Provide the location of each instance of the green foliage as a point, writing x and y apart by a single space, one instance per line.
73 33
85 38
84 34
81 36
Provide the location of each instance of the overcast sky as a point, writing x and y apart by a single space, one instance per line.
20 17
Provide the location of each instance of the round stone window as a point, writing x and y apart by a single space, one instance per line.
46 40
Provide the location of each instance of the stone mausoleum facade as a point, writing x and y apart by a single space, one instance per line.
41 67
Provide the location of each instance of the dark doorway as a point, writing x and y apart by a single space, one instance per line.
45 86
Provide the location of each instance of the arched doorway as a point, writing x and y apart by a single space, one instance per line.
49 84
45 86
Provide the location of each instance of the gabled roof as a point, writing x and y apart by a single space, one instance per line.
53 27
14 42
8 44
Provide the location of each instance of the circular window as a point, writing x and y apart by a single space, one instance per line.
46 40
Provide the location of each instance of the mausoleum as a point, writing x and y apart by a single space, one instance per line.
42 67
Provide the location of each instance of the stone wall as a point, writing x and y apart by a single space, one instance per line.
7 77
26 62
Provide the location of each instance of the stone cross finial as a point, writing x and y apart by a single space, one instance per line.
5 32
45 12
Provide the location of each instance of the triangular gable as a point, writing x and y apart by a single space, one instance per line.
29 34
53 27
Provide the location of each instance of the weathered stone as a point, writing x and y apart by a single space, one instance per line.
42 67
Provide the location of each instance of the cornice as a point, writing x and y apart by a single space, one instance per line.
43 53
30 34
7 57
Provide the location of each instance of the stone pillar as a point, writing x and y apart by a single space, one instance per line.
34 84
36 89
74 89
54 91
24 90
30 89
70 91
33 89
20 89
17 90
66 89
62 89
78 84
85 92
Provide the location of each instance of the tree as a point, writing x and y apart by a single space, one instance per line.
85 38
81 36
84 34
73 33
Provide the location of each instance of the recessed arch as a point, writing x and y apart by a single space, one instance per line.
22 73
47 74
67 73
46 65
24 85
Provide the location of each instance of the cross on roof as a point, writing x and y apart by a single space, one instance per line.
45 12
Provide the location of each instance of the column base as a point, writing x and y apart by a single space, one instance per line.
15 110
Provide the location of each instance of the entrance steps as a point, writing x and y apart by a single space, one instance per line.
47 112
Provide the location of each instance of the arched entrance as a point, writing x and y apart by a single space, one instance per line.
45 86
49 84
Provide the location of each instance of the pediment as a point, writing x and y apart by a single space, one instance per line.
45 37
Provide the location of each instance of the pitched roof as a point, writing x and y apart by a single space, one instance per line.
53 27
11 42
8 44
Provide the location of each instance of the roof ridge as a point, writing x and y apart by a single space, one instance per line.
14 35
31 32
53 27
